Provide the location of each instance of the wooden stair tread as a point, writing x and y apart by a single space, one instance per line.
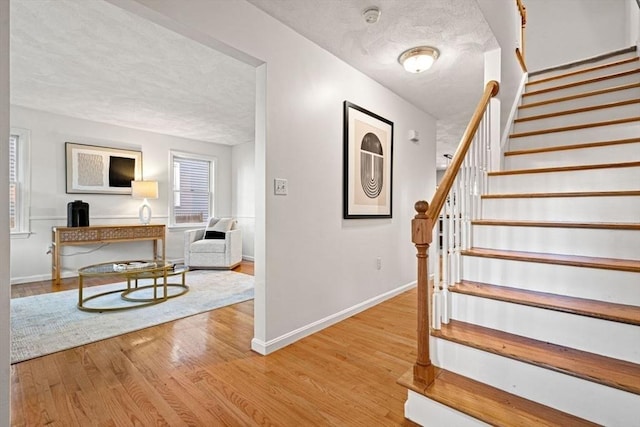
583 82
580 95
622 313
489 404
592 367
563 194
584 70
571 147
574 127
558 259
578 110
566 168
559 224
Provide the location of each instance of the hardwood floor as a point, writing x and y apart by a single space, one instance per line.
200 371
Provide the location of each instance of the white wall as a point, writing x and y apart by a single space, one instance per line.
564 31
243 199
505 24
315 266
49 132
5 343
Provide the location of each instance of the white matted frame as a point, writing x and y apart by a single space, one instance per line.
368 164
93 169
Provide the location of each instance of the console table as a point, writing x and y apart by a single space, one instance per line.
67 236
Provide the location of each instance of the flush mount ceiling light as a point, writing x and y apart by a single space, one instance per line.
418 59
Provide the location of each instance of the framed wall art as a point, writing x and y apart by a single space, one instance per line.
368 164
93 169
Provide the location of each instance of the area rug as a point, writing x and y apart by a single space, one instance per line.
48 323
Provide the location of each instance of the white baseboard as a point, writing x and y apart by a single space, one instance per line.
248 258
270 346
40 277
513 112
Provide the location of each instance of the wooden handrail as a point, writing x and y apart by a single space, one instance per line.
422 235
521 60
523 12
523 24
490 90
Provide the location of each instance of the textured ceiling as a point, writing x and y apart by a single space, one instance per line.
93 60
448 91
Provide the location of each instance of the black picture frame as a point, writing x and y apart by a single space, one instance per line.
368 164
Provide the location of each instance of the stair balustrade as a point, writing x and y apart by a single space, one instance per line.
457 203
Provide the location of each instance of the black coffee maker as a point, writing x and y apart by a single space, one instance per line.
77 214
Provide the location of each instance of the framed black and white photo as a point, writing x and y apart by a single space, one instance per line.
368 163
92 169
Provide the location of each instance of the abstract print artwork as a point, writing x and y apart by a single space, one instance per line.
101 170
368 160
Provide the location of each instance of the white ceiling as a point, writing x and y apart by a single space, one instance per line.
92 60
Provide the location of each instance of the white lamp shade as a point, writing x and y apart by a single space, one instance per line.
144 189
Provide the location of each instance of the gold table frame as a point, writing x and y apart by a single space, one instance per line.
133 271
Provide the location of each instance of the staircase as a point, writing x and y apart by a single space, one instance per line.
545 323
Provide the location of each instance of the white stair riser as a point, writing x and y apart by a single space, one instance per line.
577 209
587 101
579 136
591 64
594 116
585 399
620 287
608 179
533 96
612 339
624 244
618 153
583 76
429 413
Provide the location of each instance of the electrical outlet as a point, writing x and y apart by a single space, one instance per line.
280 187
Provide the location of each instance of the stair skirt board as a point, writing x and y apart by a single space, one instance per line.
585 399
615 153
620 287
607 338
601 243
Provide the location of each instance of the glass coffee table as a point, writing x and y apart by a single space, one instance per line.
158 272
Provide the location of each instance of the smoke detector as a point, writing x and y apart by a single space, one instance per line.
371 14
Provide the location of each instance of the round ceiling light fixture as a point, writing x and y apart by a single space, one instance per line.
418 59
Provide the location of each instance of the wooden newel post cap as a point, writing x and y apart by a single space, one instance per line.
421 207
421 225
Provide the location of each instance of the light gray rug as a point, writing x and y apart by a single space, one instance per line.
44 324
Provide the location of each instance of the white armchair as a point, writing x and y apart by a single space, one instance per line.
222 252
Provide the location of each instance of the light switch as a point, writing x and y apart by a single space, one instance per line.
280 187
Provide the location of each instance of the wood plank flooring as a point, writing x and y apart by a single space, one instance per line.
200 371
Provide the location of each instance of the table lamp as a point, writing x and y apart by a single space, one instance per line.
144 190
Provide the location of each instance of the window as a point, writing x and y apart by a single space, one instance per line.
19 185
192 186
